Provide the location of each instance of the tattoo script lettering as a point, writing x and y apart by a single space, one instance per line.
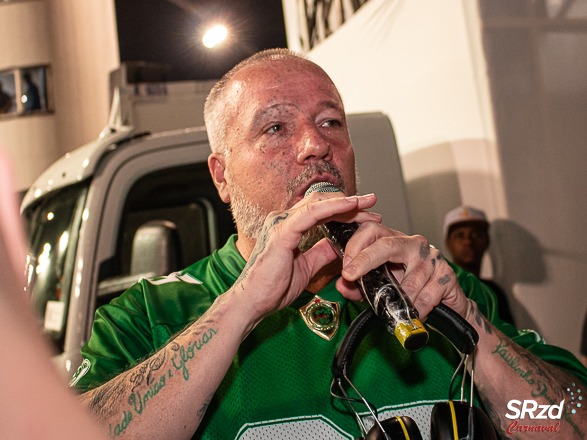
513 362
185 354
151 375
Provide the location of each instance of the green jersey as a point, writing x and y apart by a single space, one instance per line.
279 383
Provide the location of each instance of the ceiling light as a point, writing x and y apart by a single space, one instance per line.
214 36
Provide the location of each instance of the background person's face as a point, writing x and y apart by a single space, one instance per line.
467 244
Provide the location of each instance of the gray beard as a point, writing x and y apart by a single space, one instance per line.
249 217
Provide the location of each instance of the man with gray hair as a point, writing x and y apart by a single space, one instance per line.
222 350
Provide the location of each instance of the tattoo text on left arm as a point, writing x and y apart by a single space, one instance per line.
156 379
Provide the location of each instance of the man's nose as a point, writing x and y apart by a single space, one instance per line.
313 146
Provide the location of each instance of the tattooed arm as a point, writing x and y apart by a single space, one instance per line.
506 371
166 395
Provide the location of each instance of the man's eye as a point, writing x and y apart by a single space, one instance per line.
275 128
334 123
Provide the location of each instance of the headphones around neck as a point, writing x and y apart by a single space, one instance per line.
451 420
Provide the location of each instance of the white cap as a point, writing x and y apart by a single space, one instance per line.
463 214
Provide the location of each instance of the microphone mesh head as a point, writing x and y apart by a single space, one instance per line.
323 187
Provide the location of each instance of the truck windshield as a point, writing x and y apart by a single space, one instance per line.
52 226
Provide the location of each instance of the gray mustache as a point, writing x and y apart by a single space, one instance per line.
312 170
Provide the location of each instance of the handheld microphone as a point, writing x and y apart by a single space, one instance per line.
379 286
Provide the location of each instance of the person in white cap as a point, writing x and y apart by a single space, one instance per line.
466 235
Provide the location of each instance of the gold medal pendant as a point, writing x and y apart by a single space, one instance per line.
321 316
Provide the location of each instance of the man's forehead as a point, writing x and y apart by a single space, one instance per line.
267 74
254 85
286 64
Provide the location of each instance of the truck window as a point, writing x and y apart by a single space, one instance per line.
52 230
173 215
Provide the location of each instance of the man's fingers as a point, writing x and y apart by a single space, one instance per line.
308 214
426 277
380 245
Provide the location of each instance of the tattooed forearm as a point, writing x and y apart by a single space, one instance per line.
473 311
144 383
545 385
510 378
515 363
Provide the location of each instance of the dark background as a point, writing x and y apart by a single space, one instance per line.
170 32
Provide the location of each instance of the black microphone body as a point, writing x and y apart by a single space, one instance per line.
379 286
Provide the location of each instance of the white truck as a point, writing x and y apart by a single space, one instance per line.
139 202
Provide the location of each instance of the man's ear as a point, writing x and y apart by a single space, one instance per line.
217 166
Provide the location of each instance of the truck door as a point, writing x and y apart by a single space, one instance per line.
152 209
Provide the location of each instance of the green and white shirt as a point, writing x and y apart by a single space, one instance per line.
279 383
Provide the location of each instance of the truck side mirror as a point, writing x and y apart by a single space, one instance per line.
155 248
155 251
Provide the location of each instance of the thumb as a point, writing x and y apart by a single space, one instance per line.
320 255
